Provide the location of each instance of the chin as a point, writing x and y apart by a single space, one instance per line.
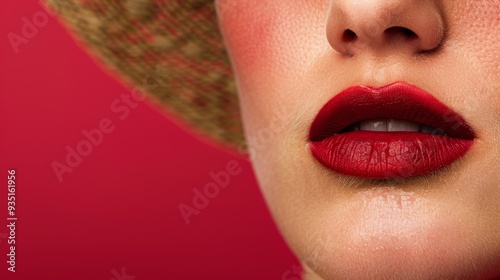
398 263
396 234
404 259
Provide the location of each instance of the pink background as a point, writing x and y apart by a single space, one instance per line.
119 207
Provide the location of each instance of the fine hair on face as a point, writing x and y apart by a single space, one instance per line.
381 121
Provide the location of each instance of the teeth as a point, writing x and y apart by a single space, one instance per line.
397 125
392 125
379 125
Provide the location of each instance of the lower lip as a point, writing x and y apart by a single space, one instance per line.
388 155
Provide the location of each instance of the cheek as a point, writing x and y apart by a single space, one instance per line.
271 45
273 39
476 31
248 31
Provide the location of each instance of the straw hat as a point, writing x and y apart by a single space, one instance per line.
171 48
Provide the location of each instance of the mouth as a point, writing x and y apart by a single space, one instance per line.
396 131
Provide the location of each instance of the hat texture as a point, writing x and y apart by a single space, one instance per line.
172 49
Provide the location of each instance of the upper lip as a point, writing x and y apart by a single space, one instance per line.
399 100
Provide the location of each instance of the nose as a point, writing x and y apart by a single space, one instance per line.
354 26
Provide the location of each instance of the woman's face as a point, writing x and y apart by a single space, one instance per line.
360 195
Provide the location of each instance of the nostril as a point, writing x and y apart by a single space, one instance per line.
398 31
349 36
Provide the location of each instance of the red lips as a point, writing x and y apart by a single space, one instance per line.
388 154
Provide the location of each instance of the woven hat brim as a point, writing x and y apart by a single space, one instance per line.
172 49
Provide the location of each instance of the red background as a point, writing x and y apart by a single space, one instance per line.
119 207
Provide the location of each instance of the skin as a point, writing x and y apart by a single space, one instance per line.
290 58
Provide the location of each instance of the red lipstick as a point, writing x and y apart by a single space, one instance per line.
395 131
